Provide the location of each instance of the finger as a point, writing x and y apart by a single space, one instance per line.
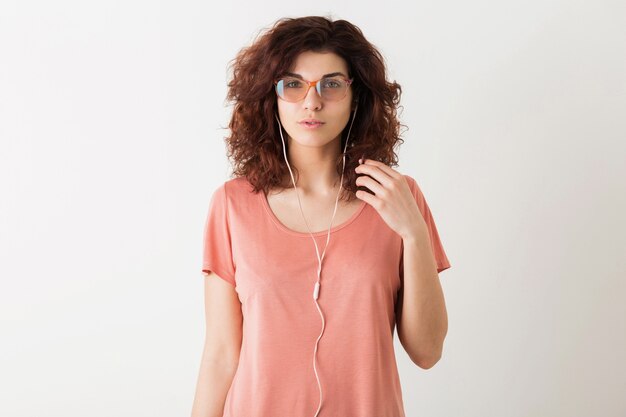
370 199
376 173
383 167
370 183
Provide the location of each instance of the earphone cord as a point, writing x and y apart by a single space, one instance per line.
319 259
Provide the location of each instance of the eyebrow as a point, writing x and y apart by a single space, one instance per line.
332 74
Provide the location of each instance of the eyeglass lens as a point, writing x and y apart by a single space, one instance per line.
293 89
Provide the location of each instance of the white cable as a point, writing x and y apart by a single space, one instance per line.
319 260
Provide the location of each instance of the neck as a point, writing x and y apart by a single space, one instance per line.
317 174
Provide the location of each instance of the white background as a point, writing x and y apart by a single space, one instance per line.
112 119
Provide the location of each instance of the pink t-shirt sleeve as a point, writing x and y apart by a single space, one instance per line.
217 254
435 241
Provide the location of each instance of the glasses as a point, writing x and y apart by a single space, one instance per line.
293 89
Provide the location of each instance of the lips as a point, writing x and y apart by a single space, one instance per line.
311 122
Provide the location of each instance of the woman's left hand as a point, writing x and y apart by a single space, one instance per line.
393 200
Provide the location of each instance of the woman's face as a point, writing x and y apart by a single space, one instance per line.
334 114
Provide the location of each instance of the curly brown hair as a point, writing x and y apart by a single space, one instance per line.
254 144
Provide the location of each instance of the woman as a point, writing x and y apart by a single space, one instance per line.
291 332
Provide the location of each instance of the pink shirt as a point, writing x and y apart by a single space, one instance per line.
274 270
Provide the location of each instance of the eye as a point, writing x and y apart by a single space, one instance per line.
332 83
291 83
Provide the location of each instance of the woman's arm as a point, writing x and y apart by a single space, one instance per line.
214 380
421 316
220 356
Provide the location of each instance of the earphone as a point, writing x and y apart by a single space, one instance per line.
316 289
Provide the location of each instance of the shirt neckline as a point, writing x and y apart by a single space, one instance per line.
285 229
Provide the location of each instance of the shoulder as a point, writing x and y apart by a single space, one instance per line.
411 182
233 186
415 189
234 191
409 179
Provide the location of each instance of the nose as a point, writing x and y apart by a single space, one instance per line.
312 99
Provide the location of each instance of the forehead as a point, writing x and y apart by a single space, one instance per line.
313 65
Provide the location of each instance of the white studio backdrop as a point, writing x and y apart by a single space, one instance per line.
112 119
